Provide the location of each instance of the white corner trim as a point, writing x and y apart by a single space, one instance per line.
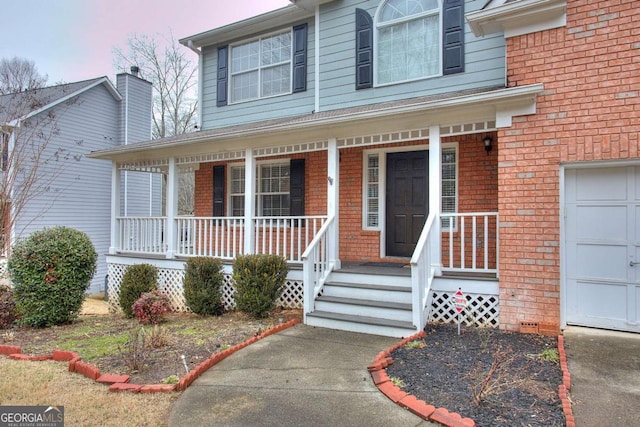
518 18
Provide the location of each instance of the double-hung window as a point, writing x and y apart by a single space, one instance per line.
272 189
408 43
261 68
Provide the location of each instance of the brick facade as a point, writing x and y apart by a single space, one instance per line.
589 111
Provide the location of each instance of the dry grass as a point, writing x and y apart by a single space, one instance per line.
85 402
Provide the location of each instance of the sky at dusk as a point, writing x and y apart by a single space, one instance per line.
73 40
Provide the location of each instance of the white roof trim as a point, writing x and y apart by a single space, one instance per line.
505 103
254 25
104 80
519 17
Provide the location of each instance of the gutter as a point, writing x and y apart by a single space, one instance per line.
501 96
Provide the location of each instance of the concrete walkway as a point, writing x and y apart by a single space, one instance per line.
302 376
605 376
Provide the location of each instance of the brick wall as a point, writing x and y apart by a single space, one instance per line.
589 111
315 191
477 192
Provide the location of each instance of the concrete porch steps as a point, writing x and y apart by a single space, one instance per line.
380 307
362 324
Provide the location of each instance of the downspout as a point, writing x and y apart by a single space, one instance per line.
200 80
126 141
317 60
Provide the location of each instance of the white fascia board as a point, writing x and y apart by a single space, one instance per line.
254 25
508 102
518 18
103 81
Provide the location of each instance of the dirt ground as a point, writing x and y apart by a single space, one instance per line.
95 305
515 384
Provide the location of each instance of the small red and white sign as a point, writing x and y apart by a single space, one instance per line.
459 301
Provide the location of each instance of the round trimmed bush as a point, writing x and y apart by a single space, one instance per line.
51 271
137 279
203 280
259 281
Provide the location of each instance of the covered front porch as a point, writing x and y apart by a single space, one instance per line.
320 195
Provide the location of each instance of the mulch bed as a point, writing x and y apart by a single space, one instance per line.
521 386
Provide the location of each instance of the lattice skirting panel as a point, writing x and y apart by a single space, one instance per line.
170 282
481 310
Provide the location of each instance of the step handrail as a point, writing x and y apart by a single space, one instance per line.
423 272
317 263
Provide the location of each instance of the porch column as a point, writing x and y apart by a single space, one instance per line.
172 207
435 194
115 208
333 191
249 201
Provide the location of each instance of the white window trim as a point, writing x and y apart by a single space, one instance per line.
245 41
377 26
259 165
382 180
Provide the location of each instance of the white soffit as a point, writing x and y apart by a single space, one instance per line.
518 17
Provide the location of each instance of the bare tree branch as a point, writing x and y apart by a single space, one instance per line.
18 74
165 64
30 161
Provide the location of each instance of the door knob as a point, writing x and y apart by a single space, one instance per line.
633 264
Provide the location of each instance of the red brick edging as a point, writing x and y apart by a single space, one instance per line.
441 415
118 383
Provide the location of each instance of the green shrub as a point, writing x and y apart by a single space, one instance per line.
51 271
259 282
7 307
137 279
203 280
150 308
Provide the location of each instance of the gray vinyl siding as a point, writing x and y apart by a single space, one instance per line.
484 67
80 195
142 195
484 61
262 109
137 94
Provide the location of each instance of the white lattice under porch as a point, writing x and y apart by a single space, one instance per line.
483 303
171 274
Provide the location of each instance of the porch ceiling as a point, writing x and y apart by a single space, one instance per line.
311 131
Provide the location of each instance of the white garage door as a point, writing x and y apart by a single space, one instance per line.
602 247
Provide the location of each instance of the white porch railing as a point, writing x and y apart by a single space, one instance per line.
470 242
287 236
317 264
219 237
423 272
142 234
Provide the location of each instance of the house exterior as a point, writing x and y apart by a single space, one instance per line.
397 152
58 125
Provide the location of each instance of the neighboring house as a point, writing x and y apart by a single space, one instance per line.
397 151
58 125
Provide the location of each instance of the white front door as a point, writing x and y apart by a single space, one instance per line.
602 247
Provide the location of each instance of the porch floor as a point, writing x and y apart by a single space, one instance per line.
403 269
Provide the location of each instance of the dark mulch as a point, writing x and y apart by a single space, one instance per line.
523 390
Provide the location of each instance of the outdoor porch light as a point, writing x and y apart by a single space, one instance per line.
487 144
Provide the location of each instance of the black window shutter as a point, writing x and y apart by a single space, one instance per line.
223 71
300 58
218 191
296 187
364 50
453 37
